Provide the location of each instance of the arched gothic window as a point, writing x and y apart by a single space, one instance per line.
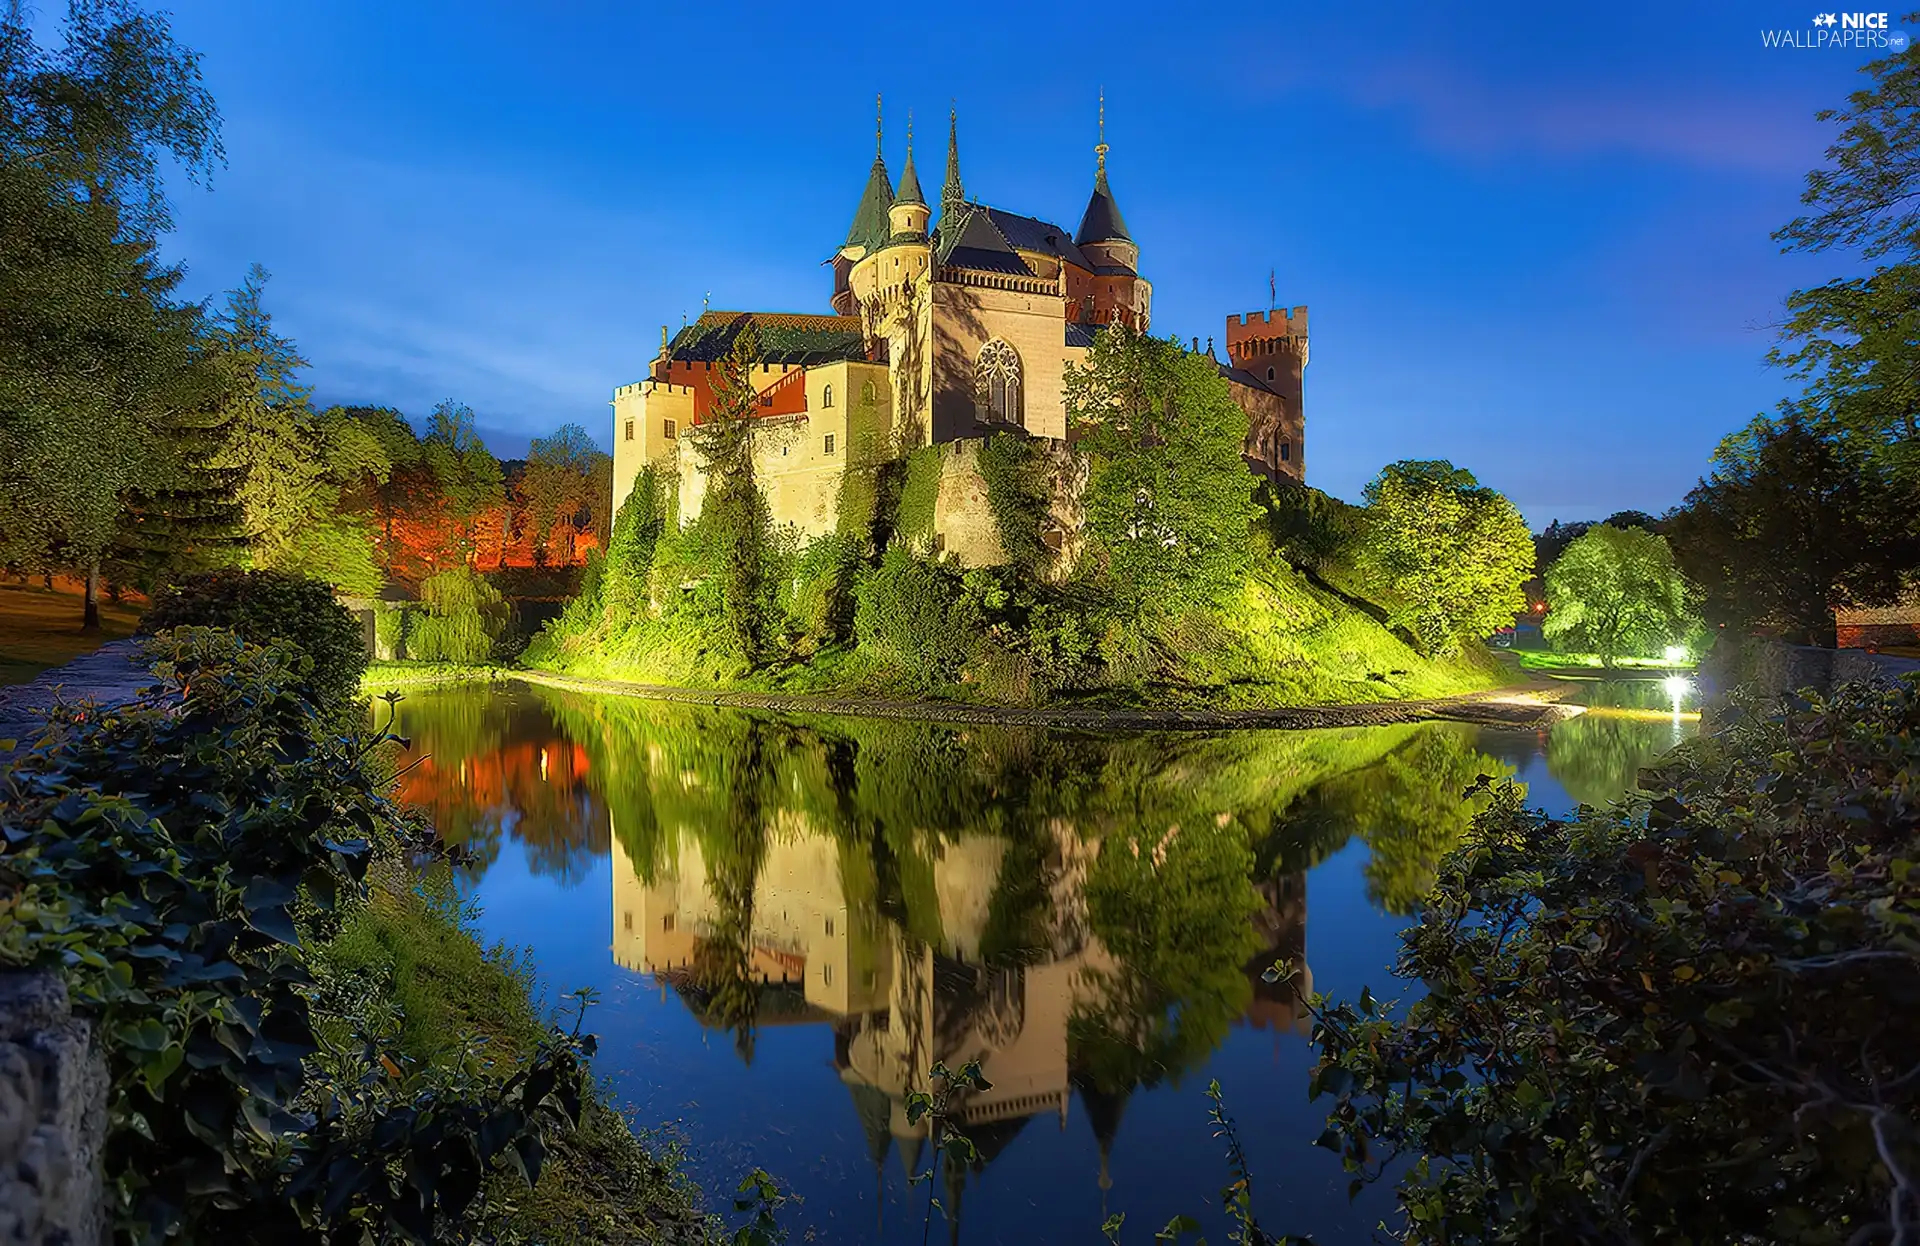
997 379
826 396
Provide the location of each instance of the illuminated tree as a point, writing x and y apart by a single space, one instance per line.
567 484
1794 520
1616 590
1451 554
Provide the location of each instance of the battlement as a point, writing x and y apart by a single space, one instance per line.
1266 326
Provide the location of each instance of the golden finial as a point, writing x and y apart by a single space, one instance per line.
1100 148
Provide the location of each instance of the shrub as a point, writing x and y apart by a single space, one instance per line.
917 617
630 550
462 618
152 858
1688 1017
264 606
1311 529
1018 495
389 628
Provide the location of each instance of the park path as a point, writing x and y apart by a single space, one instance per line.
110 675
1530 706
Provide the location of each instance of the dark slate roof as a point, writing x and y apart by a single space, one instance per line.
1080 334
869 228
974 241
1028 233
1240 376
1102 221
785 337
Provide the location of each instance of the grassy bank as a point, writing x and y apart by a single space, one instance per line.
40 628
1549 660
381 675
411 951
1281 641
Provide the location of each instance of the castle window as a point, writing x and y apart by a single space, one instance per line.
826 396
666 923
829 443
672 430
628 918
629 430
866 392
829 927
1269 374
826 975
997 383
1286 451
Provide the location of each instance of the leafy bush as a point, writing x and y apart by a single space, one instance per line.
819 600
630 550
1685 1018
917 617
389 628
1311 529
265 606
153 858
461 618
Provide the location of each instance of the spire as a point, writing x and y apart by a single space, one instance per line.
909 179
1102 221
869 228
879 130
952 195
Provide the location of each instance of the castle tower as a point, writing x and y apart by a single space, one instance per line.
1266 369
1118 292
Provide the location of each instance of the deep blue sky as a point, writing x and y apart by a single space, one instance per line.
1534 239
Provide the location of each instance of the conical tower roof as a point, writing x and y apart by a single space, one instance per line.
1102 222
909 179
869 228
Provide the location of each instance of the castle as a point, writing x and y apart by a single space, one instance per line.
939 334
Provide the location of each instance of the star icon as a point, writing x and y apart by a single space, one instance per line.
1825 19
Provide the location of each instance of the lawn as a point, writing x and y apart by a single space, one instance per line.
40 628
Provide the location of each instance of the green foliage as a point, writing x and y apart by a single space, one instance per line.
264 606
737 524
1616 591
1018 494
1310 529
1684 1018
1793 521
337 550
636 532
461 618
389 627
164 860
919 493
1168 497
917 617
1453 553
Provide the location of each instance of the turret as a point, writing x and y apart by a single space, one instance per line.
909 215
1103 231
952 195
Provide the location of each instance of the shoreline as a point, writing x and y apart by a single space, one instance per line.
1530 706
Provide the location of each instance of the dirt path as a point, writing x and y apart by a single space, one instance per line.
1530 706
110 675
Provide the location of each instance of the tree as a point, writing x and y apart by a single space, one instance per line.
269 436
1615 590
567 484
1453 554
1856 341
464 478
734 512
1794 520
1169 499
636 533
1684 1019
384 483
95 358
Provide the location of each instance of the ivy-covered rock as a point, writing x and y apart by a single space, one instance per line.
1691 1017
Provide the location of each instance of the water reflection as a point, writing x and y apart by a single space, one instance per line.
1088 916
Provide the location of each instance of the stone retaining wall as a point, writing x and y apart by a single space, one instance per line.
53 1118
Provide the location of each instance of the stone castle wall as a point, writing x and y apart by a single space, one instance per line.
53 1118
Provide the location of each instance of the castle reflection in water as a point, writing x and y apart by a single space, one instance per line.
898 1005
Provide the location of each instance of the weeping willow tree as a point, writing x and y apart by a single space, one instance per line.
461 619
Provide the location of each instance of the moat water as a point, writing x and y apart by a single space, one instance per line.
788 921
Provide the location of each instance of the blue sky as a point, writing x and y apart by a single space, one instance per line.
1534 239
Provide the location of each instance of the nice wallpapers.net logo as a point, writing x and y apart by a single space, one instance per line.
1866 31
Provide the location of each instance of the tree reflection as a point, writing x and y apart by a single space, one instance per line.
1082 913
1598 756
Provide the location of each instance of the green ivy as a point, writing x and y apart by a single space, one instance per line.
919 493
1018 495
174 861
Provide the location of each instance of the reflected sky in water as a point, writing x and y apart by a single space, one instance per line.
788 921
